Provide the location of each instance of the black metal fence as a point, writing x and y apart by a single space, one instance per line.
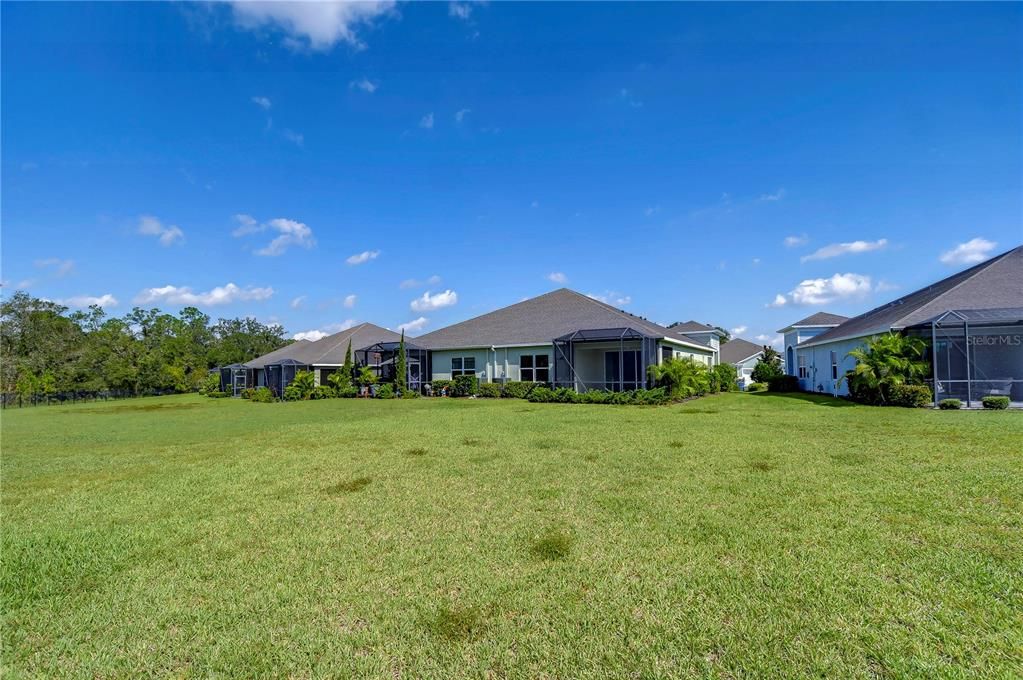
15 400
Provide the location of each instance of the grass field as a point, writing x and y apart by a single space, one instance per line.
732 536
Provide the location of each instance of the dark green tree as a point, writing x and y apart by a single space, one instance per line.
401 367
768 366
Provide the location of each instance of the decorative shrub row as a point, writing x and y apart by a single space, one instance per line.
783 383
996 403
471 386
565 395
910 396
950 404
757 387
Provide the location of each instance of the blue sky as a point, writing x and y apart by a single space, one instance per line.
320 164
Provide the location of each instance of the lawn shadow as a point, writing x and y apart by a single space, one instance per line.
351 486
816 399
456 623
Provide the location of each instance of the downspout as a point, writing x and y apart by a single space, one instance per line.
934 361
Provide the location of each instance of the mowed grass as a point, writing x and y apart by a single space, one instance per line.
732 536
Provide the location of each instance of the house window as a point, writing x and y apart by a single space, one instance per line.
463 366
535 368
834 365
803 373
666 353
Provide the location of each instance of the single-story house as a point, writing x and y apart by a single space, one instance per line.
701 332
971 323
563 338
744 355
323 357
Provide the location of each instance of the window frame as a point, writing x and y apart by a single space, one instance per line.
804 372
534 369
463 369
834 365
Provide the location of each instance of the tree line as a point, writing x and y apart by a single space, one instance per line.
45 348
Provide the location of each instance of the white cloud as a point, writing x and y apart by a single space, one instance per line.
292 233
320 333
151 226
796 241
652 210
416 283
297 303
557 277
247 224
426 122
221 295
612 298
428 302
61 268
296 138
739 330
413 326
83 301
756 261
534 204
826 291
364 84
775 341
851 248
262 102
973 251
363 257
629 99
461 114
776 196
460 10
311 25
350 301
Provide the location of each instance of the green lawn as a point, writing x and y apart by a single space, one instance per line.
732 536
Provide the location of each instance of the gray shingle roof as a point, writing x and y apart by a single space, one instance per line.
690 326
538 320
331 349
817 319
737 349
996 283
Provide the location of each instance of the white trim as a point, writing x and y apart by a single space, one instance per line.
707 348
816 325
868 334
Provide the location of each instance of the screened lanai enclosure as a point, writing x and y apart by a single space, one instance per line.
612 359
233 379
381 359
974 354
279 375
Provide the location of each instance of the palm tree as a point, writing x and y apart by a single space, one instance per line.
886 361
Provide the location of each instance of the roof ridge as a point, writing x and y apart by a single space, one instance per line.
622 313
494 311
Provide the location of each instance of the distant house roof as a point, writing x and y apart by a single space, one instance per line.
329 350
994 284
691 327
737 350
818 320
539 320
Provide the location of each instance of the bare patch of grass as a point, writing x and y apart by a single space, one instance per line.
471 441
677 444
763 465
350 486
418 451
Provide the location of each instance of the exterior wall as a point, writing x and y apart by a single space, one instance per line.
818 366
589 362
497 365
744 371
793 338
678 352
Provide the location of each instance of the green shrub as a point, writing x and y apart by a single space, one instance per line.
723 378
262 395
385 391
366 376
783 383
340 379
883 363
211 383
347 392
489 390
910 396
950 404
768 366
757 387
465 386
996 403
681 378
323 392
409 394
565 395
442 387
301 386
217 395
517 389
